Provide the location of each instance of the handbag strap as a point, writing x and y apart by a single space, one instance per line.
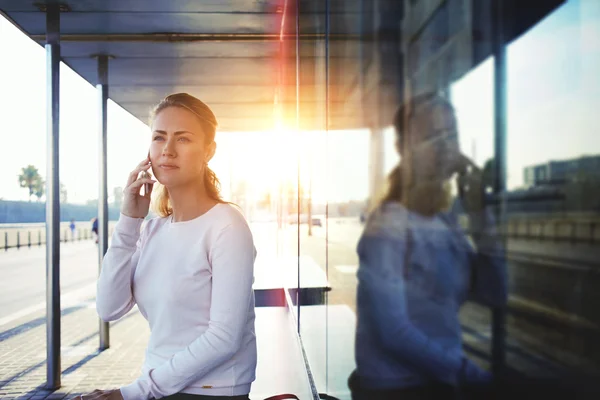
283 397
287 396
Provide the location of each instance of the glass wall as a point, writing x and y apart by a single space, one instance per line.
502 253
553 160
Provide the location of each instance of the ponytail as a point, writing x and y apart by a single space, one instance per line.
212 185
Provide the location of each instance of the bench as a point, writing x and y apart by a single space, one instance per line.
281 366
272 276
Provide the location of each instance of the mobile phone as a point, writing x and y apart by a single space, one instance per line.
146 185
146 174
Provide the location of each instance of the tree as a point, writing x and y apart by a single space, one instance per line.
30 178
40 189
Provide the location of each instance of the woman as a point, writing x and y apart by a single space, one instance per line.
417 265
190 271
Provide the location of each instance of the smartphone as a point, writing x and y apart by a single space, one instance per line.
146 174
146 185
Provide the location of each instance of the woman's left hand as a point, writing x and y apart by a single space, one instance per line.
114 394
470 182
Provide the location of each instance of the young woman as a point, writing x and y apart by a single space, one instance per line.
190 271
417 265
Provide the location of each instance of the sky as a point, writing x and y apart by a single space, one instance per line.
23 123
553 96
553 93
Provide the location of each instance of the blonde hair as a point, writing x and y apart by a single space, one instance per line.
424 197
161 203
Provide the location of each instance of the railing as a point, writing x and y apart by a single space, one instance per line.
35 236
576 229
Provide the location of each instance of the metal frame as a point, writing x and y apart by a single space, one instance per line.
500 107
102 90
299 200
327 108
198 37
53 331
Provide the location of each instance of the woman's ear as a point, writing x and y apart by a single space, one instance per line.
210 151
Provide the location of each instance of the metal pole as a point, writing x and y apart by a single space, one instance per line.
196 37
327 95
102 89
52 198
309 210
500 117
298 294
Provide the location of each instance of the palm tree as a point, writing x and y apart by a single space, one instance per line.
29 178
40 189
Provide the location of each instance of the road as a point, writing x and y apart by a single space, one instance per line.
23 275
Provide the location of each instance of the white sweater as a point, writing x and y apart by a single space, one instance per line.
192 281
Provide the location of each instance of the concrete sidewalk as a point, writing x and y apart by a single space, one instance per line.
84 368
280 368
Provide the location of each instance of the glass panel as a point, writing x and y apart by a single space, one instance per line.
553 201
472 97
545 222
285 131
313 189
422 243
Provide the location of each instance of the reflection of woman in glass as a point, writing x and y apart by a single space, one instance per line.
418 266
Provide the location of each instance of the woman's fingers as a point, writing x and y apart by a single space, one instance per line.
135 173
135 186
148 192
97 394
143 166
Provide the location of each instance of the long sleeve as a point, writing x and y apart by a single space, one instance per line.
114 297
382 294
232 262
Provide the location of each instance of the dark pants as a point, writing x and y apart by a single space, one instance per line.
186 396
435 391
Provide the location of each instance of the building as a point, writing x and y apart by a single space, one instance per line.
560 172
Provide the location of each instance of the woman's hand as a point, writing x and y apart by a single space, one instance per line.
134 205
470 184
114 394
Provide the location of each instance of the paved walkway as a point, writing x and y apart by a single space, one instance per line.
84 368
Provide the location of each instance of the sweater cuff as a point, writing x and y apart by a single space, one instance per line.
129 225
136 390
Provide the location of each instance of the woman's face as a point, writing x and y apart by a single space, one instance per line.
178 150
436 152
